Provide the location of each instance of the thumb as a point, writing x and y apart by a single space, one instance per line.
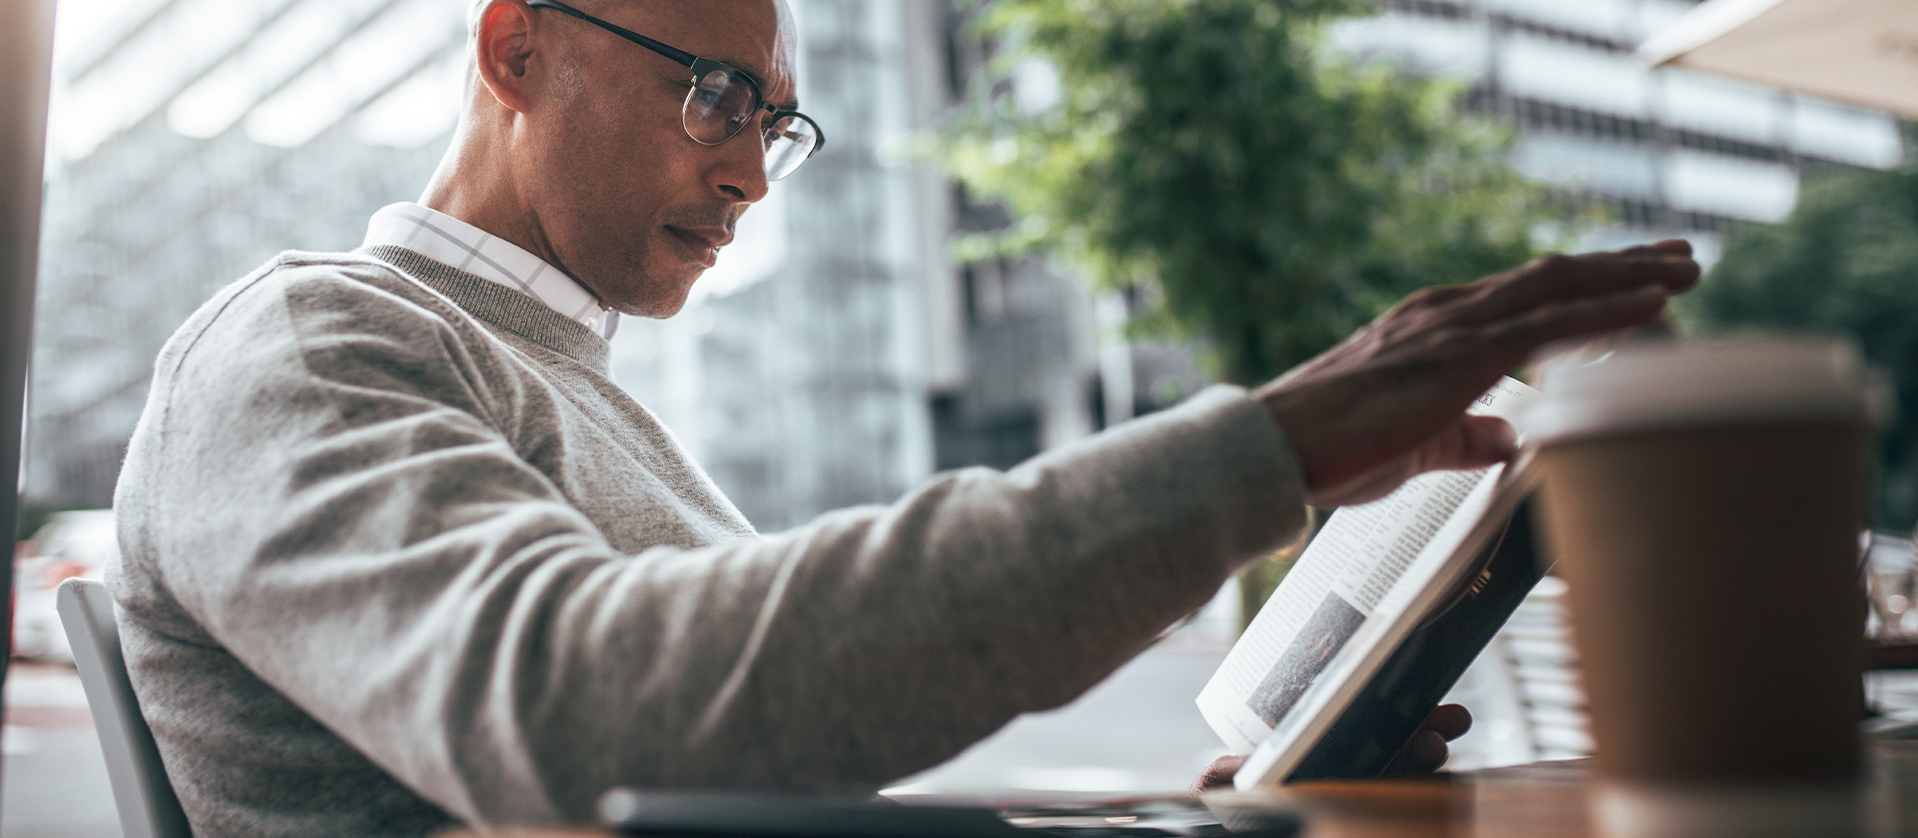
1219 774
1471 442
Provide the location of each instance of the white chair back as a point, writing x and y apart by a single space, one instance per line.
148 807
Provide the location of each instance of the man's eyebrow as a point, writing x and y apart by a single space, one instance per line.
791 103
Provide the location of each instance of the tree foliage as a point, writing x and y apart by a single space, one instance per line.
1844 263
1268 194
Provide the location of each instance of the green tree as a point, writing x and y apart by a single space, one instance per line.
1263 191
1269 195
1844 263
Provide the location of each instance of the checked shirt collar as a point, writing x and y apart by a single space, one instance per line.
450 241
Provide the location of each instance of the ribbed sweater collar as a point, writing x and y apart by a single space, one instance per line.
500 306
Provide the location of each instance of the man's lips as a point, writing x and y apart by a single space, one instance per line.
702 243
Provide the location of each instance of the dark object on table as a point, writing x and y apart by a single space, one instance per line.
749 815
718 813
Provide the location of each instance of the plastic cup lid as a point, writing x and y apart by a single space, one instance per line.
1650 386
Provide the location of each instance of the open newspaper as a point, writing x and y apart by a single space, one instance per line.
1341 637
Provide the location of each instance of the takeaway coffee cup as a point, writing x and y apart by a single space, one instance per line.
1704 501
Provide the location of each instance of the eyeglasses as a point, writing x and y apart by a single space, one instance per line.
722 101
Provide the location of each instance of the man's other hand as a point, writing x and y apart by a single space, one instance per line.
1425 752
1422 754
1389 402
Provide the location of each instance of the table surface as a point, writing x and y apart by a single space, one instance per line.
1542 800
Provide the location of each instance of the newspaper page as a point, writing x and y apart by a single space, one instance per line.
1341 581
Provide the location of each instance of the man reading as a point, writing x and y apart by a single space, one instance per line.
397 554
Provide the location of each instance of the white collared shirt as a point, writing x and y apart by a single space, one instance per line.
448 240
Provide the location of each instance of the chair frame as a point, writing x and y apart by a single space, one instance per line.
145 798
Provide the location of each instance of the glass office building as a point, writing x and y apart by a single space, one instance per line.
1671 152
190 141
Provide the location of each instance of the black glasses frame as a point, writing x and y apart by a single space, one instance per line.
701 67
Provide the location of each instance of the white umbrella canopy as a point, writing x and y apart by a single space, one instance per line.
1860 51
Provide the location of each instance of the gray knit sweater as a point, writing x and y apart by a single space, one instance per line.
397 554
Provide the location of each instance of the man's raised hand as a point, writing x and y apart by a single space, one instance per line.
1389 402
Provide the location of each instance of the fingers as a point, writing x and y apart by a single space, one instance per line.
1386 403
1424 753
1219 774
1678 246
1554 279
1545 324
1450 721
1558 277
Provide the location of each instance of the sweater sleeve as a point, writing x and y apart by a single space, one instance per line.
330 488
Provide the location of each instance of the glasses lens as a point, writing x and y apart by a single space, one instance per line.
788 143
717 106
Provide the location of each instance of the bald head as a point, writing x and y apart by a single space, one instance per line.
572 145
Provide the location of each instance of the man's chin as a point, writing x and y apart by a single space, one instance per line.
668 306
660 300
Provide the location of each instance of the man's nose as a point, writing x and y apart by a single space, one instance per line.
740 172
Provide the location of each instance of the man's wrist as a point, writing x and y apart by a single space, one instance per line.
1294 413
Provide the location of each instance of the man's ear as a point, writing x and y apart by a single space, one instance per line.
505 50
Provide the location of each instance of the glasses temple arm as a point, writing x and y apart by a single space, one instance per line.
671 52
